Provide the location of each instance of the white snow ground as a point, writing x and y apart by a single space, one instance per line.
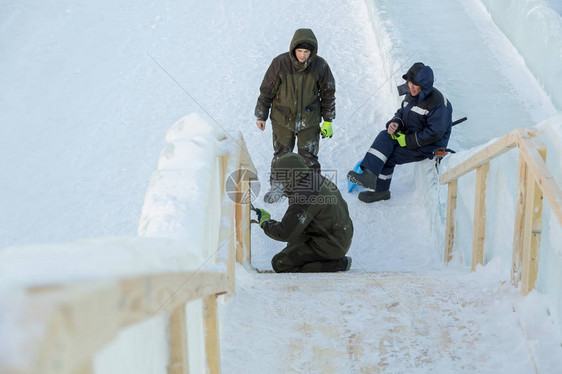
89 90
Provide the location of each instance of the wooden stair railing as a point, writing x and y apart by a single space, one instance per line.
535 182
79 318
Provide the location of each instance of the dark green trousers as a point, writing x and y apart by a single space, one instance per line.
305 257
307 140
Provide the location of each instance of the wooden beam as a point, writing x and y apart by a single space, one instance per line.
81 318
212 335
239 224
532 229
77 322
224 159
179 355
452 191
227 234
530 149
87 368
245 158
518 228
145 297
482 157
247 239
479 233
231 264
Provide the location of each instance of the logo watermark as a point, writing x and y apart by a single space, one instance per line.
235 183
299 186
306 187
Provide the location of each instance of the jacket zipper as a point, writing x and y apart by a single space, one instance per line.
298 125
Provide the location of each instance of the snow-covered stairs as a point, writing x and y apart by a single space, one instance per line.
364 322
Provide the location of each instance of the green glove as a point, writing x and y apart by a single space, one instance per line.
263 215
400 138
326 130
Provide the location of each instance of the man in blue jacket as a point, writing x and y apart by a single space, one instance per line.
421 125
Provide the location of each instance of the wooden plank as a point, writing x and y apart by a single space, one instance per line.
550 189
246 238
482 157
80 319
227 234
212 335
231 265
518 228
245 157
224 159
479 233
532 229
227 242
239 222
452 192
9 369
179 354
77 321
243 209
145 297
239 228
87 368
247 164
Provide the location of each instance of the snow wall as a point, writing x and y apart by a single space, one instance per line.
182 202
535 29
542 36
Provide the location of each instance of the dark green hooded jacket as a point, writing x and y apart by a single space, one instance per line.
316 212
299 94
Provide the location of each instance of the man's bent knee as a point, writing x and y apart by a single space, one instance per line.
279 263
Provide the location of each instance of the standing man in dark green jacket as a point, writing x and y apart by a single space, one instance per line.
300 89
316 226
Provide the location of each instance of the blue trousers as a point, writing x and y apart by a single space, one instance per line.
385 153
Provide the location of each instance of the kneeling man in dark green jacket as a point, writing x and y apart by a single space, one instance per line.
316 226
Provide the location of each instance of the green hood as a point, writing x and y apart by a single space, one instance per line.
289 170
303 35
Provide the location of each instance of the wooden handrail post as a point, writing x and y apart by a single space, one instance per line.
225 233
242 216
243 223
535 184
231 265
479 234
212 335
248 231
518 228
179 357
88 368
452 192
532 229
224 159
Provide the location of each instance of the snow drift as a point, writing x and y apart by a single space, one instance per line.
535 29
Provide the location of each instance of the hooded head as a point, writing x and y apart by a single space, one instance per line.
289 170
420 75
410 75
303 38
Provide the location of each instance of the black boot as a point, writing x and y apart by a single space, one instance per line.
367 179
372 196
345 263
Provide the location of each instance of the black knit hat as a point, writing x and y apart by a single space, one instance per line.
305 45
410 76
